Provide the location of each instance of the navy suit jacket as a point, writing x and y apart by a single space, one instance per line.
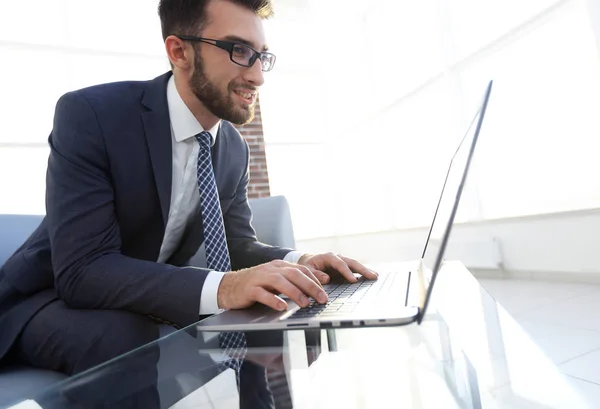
108 192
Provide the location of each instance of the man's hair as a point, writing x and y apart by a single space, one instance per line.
186 17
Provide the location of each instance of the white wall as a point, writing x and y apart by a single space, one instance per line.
362 169
559 242
367 104
48 48
594 12
564 245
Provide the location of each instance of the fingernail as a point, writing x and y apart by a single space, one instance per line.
304 301
322 297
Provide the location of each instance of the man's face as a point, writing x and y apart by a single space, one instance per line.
226 89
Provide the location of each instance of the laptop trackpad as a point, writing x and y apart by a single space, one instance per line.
245 319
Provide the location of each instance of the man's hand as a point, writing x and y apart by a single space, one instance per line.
263 283
322 264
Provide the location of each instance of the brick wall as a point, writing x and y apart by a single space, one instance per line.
259 176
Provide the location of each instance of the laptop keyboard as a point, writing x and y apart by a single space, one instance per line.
343 298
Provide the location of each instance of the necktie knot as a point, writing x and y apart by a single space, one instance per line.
204 139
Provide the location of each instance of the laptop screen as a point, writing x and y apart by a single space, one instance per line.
450 190
450 197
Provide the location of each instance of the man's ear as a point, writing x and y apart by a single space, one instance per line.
179 53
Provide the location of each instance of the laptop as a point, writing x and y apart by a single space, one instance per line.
395 298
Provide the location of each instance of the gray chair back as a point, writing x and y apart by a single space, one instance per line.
272 221
14 230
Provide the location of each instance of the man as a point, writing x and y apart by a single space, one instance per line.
134 172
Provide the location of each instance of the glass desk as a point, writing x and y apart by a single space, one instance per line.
468 353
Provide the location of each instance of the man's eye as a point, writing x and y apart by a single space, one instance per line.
240 50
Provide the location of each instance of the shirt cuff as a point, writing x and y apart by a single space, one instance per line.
26 404
208 298
293 256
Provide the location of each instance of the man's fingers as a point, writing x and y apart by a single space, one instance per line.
269 299
359 268
317 276
323 277
310 273
305 284
285 285
341 267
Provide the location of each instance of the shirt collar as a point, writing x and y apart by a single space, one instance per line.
183 123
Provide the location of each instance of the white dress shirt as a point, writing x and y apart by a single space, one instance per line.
185 197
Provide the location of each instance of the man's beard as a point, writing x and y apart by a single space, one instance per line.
219 104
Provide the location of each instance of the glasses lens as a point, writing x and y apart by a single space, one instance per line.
267 61
244 55
241 54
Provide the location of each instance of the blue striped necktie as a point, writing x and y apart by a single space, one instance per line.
215 243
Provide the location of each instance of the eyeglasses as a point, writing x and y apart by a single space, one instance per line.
240 53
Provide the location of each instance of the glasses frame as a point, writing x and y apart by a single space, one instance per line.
229 46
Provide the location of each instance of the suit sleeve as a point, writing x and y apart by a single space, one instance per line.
90 270
244 248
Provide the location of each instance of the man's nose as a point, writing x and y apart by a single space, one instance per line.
254 74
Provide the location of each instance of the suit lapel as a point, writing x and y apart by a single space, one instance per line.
219 159
157 127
